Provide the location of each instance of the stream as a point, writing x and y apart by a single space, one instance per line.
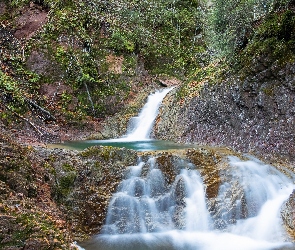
146 212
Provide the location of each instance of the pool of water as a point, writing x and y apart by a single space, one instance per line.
146 145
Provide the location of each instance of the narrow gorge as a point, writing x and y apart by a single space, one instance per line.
151 125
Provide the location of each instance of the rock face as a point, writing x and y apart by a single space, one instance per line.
31 19
288 213
82 183
252 114
29 217
39 63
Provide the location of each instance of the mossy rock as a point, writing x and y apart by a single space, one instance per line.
206 162
273 39
111 154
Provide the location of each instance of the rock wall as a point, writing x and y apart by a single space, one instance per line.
254 114
288 214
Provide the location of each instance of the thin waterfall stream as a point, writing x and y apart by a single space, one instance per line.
147 212
141 126
138 136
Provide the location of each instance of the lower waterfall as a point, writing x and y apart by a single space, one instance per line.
147 213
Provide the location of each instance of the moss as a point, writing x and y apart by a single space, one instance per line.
66 182
33 225
26 222
92 151
106 153
67 167
97 165
273 39
15 164
206 162
63 186
269 91
212 74
64 179
10 87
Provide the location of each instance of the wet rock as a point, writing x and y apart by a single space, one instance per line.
207 163
229 206
288 213
180 193
171 166
214 169
179 217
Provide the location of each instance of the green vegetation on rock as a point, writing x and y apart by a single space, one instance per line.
97 48
273 39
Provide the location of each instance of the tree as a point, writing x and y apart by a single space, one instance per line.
232 23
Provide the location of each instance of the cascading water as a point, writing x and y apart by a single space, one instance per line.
146 213
141 126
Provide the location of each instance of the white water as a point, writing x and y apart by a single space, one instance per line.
140 126
142 214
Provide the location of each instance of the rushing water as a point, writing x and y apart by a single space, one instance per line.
145 213
139 130
140 127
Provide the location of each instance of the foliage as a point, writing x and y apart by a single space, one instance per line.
274 38
212 74
163 32
232 24
162 36
11 95
9 86
167 37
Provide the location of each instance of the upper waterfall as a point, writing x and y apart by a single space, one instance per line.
141 125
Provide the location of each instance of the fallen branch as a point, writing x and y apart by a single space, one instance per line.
25 119
46 116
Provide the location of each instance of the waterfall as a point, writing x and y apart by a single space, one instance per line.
140 126
145 205
147 213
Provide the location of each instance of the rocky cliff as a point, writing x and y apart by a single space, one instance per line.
254 114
